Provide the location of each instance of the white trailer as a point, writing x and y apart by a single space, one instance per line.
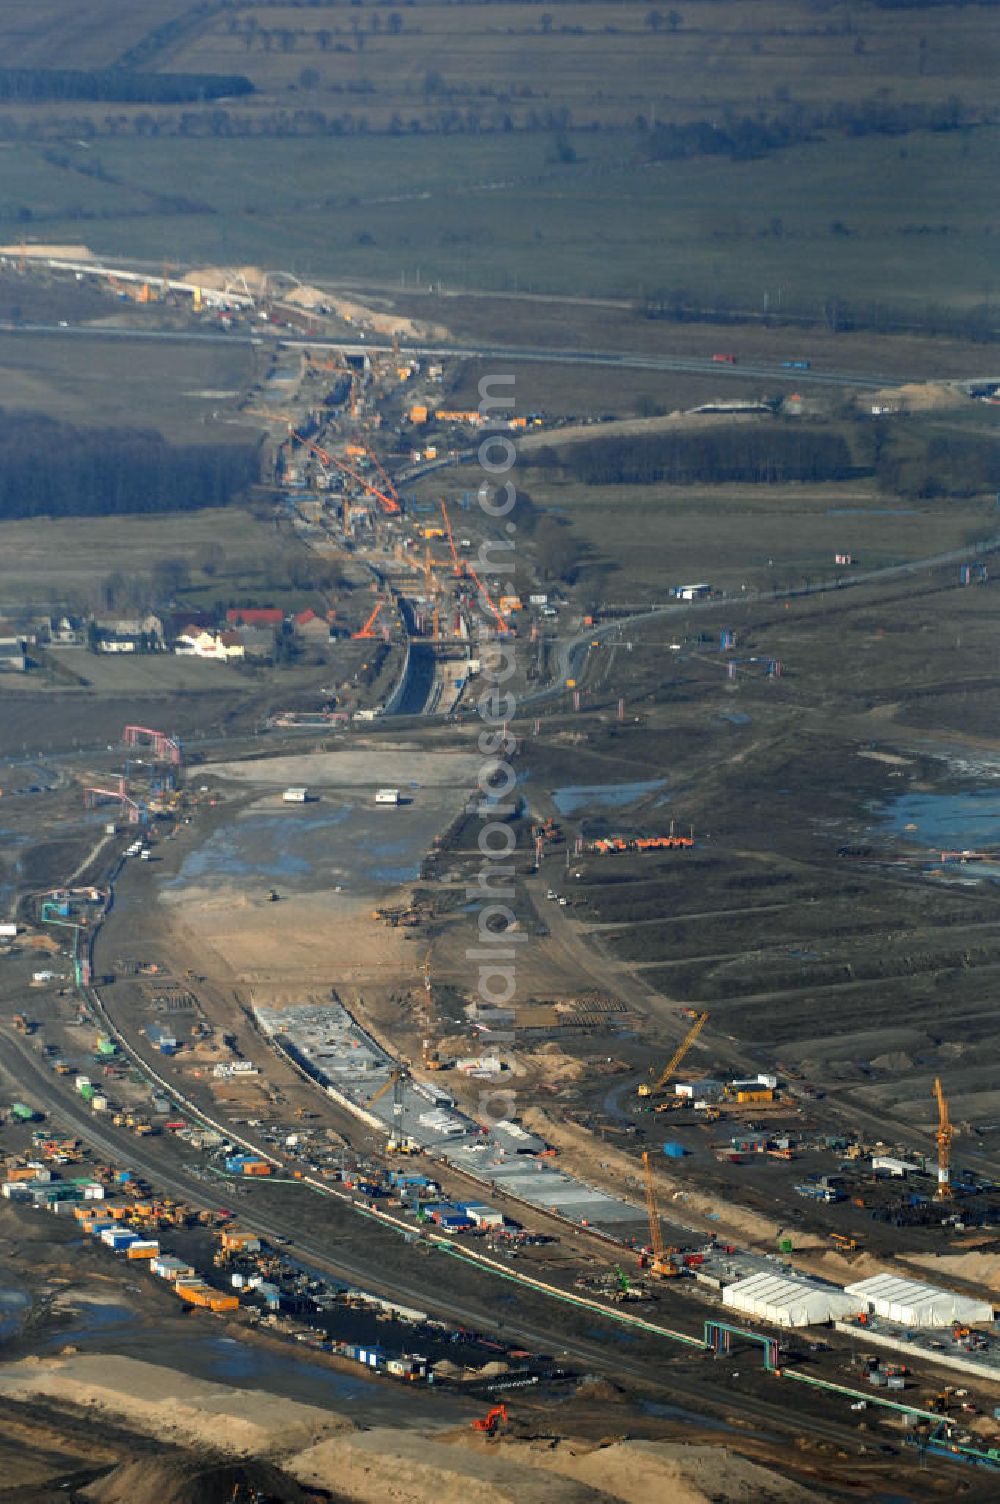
387 796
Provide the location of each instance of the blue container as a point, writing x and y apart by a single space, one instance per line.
674 1151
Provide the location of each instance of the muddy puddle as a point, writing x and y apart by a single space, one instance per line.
342 842
964 821
575 798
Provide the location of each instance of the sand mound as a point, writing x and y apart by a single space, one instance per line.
184 1480
975 1268
392 1467
383 1465
638 1471
170 1405
916 396
44 252
896 1061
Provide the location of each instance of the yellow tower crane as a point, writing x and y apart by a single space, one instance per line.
945 1134
653 1089
660 1264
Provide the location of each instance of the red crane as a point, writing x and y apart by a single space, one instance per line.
390 489
462 567
366 630
451 538
390 503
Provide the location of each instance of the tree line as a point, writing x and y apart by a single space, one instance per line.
839 315
115 85
753 455
945 464
50 468
746 137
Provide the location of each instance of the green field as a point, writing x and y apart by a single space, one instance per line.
44 560
305 175
635 542
86 34
604 62
160 385
873 218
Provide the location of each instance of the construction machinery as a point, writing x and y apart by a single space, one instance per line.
493 1421
462 567
366 631
398 1142
660 1265
653 1089
945 1134
388 502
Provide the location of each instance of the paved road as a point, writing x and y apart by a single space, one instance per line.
572 651
521 354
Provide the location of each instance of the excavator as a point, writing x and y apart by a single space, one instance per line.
654 1089
493 1421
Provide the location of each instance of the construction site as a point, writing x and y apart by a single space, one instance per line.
726 1155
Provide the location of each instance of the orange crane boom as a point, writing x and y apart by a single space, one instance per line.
366 630
484 594
451 538
390 503
945 1134
390 489
464 568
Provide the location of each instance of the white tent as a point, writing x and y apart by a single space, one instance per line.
787 1299
913 1304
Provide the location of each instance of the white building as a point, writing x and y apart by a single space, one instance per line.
913 1304
705 1089
900 1168
785 1299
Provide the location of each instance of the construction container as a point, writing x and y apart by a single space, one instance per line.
219 1302
118 1238
371 1357
99 1102
143 1248
240 1242
165 1266
194 1291
786 1246
255 1167
674 1150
